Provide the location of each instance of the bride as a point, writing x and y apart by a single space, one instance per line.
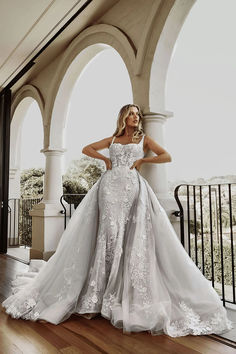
120 256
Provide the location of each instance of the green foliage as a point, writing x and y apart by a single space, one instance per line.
82 174
192 226
31 183
25 221
80 177
217 260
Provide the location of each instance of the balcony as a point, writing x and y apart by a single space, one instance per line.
207 228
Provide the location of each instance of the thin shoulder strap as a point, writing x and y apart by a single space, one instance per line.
142 139
113 140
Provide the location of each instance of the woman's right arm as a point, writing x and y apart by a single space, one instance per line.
92 150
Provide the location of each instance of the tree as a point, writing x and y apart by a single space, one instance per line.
31 183
82 174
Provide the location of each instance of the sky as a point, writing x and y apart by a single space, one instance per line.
200 91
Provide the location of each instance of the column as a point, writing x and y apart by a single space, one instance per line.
47 219
52 190
14 182
13 205
156 174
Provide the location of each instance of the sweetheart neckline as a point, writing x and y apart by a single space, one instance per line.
125 144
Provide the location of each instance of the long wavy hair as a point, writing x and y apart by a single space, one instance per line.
121 122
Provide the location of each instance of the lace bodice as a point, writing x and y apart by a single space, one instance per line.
125 154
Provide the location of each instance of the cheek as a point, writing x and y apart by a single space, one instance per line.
129 119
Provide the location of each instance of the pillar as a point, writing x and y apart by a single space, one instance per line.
47 219
52 189
14 182
156 174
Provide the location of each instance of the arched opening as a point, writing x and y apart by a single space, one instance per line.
93 111
26 174
200 91
83 112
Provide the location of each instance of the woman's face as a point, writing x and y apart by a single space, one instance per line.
133 118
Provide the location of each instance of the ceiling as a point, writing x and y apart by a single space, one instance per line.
27 25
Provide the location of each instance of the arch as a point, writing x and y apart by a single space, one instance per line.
19 112
27 91
16 128
82 50
20 104
163 53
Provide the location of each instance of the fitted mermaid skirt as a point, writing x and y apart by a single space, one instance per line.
120 256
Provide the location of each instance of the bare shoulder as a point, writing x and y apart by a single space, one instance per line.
151 144
101 144
107 141
148 139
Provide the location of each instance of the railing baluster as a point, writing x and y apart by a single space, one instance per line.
202 236
14 208
181 215
20 220
70 201
220 222
231 239
9 228
211 237
195 224
188 214
221 246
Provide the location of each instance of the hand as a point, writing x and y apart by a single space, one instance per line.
108 164
137 164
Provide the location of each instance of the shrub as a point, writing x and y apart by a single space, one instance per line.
31 183
217 260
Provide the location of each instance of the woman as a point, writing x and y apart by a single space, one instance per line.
120 256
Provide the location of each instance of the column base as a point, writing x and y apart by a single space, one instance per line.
47 229
37 254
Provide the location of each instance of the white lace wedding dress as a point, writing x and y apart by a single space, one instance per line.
120 256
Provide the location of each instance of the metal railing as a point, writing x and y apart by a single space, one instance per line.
207 227
69 203
20 222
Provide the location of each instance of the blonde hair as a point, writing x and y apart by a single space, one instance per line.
121 122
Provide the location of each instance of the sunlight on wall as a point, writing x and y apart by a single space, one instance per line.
101 90
201 93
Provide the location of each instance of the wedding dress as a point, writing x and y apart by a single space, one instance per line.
120 256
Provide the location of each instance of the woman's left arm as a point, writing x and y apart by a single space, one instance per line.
161 154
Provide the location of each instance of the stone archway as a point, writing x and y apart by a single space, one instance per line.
155 68
84 48
81 51
47 214
147 65
20 105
